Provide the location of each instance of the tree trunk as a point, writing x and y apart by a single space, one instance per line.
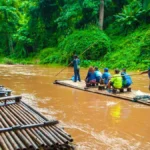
10 44
101 14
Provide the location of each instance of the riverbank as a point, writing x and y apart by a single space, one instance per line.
29 61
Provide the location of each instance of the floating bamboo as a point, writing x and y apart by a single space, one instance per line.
23 128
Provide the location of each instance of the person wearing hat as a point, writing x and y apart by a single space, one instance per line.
106 76
76 66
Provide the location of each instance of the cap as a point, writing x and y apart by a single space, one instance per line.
96 68
105 69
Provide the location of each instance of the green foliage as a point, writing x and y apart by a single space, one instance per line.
49 55
129 15
71 27
97 43
131 51
8 61
133 14
24 43
145 47
9 18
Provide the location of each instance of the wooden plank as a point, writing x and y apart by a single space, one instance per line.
8 103
6 100
10 97
19 127
81 86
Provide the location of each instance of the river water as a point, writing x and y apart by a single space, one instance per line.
96 122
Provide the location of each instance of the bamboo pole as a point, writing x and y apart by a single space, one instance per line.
58 131
14 136
26 121
19 133
10 137
46 136
79 55
6 143
59 134
11 108
3 144
33 120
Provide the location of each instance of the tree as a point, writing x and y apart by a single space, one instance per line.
101 14
9 22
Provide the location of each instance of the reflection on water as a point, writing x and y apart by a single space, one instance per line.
115 112
96 122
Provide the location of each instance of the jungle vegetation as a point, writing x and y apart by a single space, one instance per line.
115 32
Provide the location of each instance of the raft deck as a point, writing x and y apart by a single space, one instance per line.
23 128
122 95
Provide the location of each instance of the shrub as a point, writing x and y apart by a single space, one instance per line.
8 61
49 55
96 41
131 51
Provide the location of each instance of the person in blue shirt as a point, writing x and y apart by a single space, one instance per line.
106 76
147 71
76 66
91 77
126 79
98 75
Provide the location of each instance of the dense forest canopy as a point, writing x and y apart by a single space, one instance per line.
51 31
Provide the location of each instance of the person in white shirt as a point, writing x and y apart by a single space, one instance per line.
98 75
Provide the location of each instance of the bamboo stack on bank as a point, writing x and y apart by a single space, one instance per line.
23 128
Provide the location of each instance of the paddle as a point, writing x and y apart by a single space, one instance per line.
126 75
79 55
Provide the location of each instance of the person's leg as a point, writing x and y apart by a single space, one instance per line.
78 74
87 82
97 80
109 84
75 75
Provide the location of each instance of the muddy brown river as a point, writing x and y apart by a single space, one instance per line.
96 122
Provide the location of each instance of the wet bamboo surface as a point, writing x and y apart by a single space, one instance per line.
23 128
81 86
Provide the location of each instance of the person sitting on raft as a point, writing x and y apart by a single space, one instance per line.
106 76
116 80
91 77
98 75
126 79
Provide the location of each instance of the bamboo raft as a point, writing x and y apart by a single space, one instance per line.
130 96
23 128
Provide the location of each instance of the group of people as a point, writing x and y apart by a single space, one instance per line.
119 80
94 76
